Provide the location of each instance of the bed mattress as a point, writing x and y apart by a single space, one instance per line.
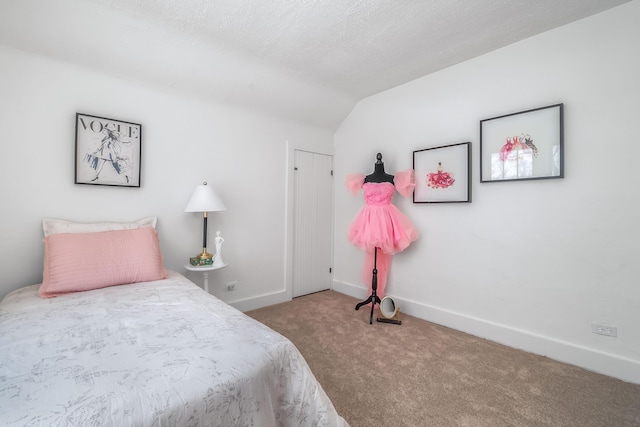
161 353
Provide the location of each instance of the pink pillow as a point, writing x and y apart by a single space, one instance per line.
82 261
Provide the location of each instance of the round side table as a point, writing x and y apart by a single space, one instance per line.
204 269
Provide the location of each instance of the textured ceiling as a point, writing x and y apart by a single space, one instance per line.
308 60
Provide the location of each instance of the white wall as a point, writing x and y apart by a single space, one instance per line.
530 264
185 141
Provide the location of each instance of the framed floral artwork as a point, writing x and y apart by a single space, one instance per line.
524 145
108 151
443 174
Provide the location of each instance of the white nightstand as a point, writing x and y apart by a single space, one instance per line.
204 269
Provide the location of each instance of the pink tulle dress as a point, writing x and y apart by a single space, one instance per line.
380 224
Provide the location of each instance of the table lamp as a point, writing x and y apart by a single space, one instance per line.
204 199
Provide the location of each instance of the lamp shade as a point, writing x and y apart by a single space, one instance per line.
205 199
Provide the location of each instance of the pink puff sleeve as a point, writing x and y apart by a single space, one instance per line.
405 182
354 182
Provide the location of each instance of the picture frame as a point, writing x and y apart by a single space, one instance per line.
443 174
526 145
108 151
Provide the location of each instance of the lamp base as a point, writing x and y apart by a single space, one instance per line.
204 255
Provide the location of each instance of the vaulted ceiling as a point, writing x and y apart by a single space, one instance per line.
307 60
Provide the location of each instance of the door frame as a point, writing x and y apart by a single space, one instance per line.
290 203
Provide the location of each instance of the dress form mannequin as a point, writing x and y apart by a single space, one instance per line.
379 228
378 175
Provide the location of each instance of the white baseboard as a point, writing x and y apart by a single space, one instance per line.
590 359
261 301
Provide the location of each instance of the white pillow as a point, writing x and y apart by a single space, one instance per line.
56 226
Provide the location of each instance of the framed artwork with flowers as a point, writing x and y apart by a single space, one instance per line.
523 146
443 174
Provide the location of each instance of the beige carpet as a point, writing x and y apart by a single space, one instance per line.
422 374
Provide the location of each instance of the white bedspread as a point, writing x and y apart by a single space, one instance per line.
160 353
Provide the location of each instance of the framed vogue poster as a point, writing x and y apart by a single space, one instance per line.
443 174
524 145
108 151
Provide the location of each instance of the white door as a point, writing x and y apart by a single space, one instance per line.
312 213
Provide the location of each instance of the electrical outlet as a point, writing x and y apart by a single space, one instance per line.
604 329
231 286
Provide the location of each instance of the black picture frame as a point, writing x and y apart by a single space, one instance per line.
107 151
443 174
526 145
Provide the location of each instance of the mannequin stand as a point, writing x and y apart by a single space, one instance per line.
373 298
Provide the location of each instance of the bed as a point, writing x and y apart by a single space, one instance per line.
151 353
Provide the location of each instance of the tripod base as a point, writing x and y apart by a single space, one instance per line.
373 299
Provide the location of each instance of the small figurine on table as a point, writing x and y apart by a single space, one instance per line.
217 258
